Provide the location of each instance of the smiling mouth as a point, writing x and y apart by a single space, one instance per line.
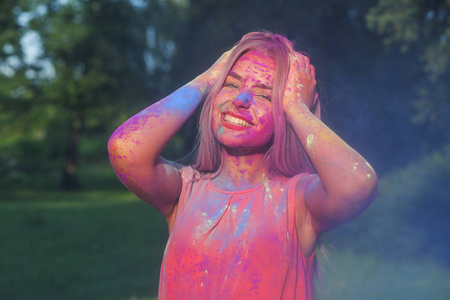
236 121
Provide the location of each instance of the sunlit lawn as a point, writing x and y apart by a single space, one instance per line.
89 245
108 245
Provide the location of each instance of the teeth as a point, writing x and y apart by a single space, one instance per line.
236 121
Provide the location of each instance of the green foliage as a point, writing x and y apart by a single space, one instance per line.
421 26
408 22
91 70
396 19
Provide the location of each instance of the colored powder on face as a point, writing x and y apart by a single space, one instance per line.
354 167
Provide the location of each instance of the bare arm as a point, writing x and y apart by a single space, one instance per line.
345 184
135 147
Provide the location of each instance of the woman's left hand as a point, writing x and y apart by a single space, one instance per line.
301 84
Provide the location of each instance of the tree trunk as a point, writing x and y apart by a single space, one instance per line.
70 180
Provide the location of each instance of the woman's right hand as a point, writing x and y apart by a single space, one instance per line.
209 77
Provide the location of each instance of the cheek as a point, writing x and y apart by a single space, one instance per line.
216 122
226 94
266 118
268 127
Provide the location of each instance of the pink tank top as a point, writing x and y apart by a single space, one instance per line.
235 244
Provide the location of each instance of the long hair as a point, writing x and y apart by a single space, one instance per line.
286 155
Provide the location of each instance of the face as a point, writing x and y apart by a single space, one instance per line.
242 115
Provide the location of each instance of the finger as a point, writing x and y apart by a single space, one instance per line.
307 65
294 66
306 68
301 61
313 72
294 61
308 62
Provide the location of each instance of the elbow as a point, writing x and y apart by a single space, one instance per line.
113 151
359 192
113 146
350 198
125 150
363 190
369 186
118 149
110 145
121 144
368 181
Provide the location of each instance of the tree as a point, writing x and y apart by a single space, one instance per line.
16 89
97 63
423 28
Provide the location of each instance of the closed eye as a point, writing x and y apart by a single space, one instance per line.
231 85
265 97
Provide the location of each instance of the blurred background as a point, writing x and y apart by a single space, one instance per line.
71 71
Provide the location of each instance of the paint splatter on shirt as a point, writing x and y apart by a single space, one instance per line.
235 244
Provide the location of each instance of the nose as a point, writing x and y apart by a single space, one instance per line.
242 100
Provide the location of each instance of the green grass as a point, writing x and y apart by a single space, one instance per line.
87 245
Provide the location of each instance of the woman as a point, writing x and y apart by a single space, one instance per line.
269 176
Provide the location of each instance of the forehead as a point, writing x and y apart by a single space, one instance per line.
255 65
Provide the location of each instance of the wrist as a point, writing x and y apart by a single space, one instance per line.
201 83
299 109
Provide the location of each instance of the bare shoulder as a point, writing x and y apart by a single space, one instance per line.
158 185
164 186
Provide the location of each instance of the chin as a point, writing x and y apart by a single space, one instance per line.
242 146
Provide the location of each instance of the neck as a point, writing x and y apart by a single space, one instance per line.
241 169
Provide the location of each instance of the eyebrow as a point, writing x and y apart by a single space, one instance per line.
235 75
240 78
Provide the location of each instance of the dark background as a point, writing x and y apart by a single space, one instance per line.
71 71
